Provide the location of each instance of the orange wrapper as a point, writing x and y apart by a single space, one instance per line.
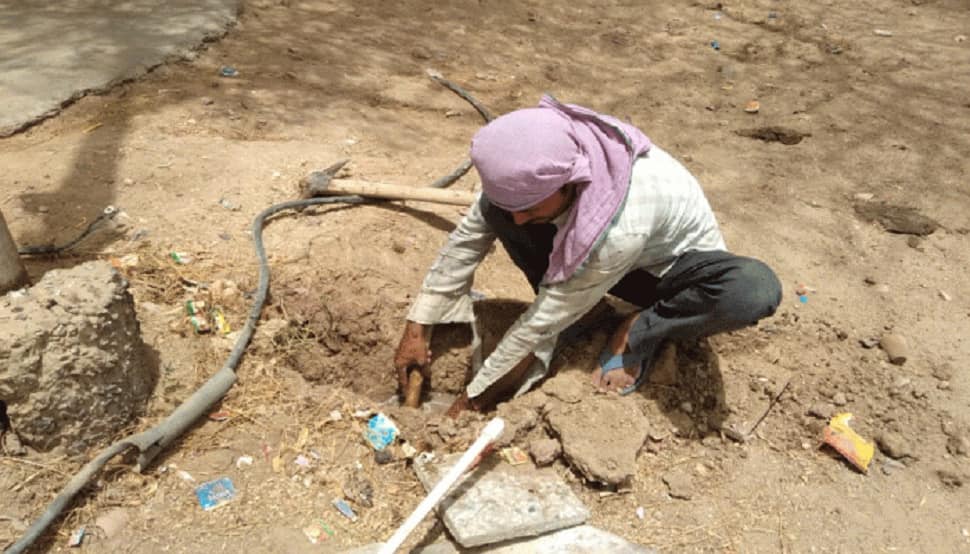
847 442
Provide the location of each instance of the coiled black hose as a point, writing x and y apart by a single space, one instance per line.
152 441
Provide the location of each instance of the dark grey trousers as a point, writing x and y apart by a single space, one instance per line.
702 294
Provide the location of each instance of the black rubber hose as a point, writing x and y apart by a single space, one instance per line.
106 215
154 440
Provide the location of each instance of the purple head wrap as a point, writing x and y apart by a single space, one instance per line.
525 156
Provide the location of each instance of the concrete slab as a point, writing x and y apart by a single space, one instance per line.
498 502
55 51
583 539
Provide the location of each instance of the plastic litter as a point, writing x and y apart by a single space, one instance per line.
514 455
216 493
76 538
380 431
409 451
219 416
318 531
641 513
228 204
180 258
847 442
219 319
345 509
244 461
715 45
228 71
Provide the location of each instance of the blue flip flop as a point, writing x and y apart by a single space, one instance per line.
613 362
640 379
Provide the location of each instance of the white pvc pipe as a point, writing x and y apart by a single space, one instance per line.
489 434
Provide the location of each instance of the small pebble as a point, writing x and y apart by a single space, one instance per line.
839 399
383 457
43 209
869 342
207 101
895 347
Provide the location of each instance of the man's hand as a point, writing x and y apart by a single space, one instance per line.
413 352
461 404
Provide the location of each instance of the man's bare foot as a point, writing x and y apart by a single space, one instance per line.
614 380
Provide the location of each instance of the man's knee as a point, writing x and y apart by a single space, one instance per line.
756 291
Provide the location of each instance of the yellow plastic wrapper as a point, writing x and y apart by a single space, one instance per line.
847 442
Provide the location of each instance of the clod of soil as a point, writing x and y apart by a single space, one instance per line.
783 135
601 436
679 484
545 451
897 219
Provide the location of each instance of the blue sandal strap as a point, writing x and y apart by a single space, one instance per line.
640 379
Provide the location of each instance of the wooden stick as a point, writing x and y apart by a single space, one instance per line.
412 397
400 192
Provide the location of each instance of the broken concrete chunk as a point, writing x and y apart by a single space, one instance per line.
498 502
601 436
582 539
74 370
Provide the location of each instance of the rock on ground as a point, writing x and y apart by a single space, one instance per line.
680 484
498 502
601 436
545 451
73 367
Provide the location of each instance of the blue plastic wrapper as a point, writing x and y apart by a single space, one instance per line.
380 432
345 509
215 493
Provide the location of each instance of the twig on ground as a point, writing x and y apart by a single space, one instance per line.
738 435
22 461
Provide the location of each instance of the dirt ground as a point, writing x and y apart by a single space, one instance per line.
191 157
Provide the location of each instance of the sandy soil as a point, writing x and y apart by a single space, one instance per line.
882 120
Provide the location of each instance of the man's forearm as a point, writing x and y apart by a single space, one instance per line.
506 385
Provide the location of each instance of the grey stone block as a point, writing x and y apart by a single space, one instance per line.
498 502
584 539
